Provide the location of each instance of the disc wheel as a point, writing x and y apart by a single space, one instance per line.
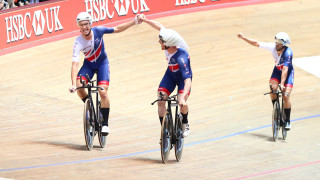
165 144
179 139
87 125
275 121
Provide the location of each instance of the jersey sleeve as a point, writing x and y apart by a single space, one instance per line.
183 62
76 52
105 30
267 46
288 58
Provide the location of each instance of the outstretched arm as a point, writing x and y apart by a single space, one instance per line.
124 26
154 24
253 42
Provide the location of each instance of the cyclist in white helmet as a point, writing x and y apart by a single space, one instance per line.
178 73
283 72
91 43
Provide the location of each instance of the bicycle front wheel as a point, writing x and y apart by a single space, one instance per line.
165 139
88 125
179 138
275 121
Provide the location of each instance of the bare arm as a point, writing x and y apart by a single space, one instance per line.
124 26
154 24
253 42
284 76
74 70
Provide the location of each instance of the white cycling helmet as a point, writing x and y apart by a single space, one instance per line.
84 16
283 37
172 38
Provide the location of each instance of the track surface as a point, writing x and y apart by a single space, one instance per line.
230 119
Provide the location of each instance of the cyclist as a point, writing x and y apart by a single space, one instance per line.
91 43
178 72
283 72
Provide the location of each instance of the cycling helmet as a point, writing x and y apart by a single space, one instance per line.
170 37
283 37
84 16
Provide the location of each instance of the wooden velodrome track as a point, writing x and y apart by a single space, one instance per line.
41 122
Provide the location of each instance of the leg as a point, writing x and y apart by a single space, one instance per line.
83 71
162 105
105 104
166 87
273 87
184 110
103 77
81 92
286 98
274 83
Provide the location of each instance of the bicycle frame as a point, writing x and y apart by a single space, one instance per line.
280 120
94 114
90 85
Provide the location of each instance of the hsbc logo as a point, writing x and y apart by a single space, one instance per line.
38 22
101 9
24 25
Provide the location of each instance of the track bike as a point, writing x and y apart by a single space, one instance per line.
278 115
92 117
171 134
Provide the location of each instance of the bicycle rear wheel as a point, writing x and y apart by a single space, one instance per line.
102 139
275 121
179 138
88 125
165 145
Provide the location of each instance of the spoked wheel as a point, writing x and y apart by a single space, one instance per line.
89 128
275 121
179 139
284 130
165 139
102 139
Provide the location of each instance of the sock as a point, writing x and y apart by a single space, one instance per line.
184 118
287 112
105 114
161 119
84 99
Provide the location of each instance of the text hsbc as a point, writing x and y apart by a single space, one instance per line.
20 25
99 9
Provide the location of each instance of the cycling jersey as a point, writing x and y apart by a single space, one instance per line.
285 59
95 56
178 70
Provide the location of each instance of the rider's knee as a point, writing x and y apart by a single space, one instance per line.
286 98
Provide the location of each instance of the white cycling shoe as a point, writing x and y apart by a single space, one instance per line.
185 130
105 130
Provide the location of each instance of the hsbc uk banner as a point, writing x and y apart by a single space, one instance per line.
35 24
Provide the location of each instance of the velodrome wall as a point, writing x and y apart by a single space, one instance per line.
36 24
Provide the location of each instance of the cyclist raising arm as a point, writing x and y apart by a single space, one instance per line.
283 72
178 72
91 43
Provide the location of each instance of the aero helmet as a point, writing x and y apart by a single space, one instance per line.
170 37
283 37
84 16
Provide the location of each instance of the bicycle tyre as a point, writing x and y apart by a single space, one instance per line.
102 139
275 121
179 139
165 145
88 131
